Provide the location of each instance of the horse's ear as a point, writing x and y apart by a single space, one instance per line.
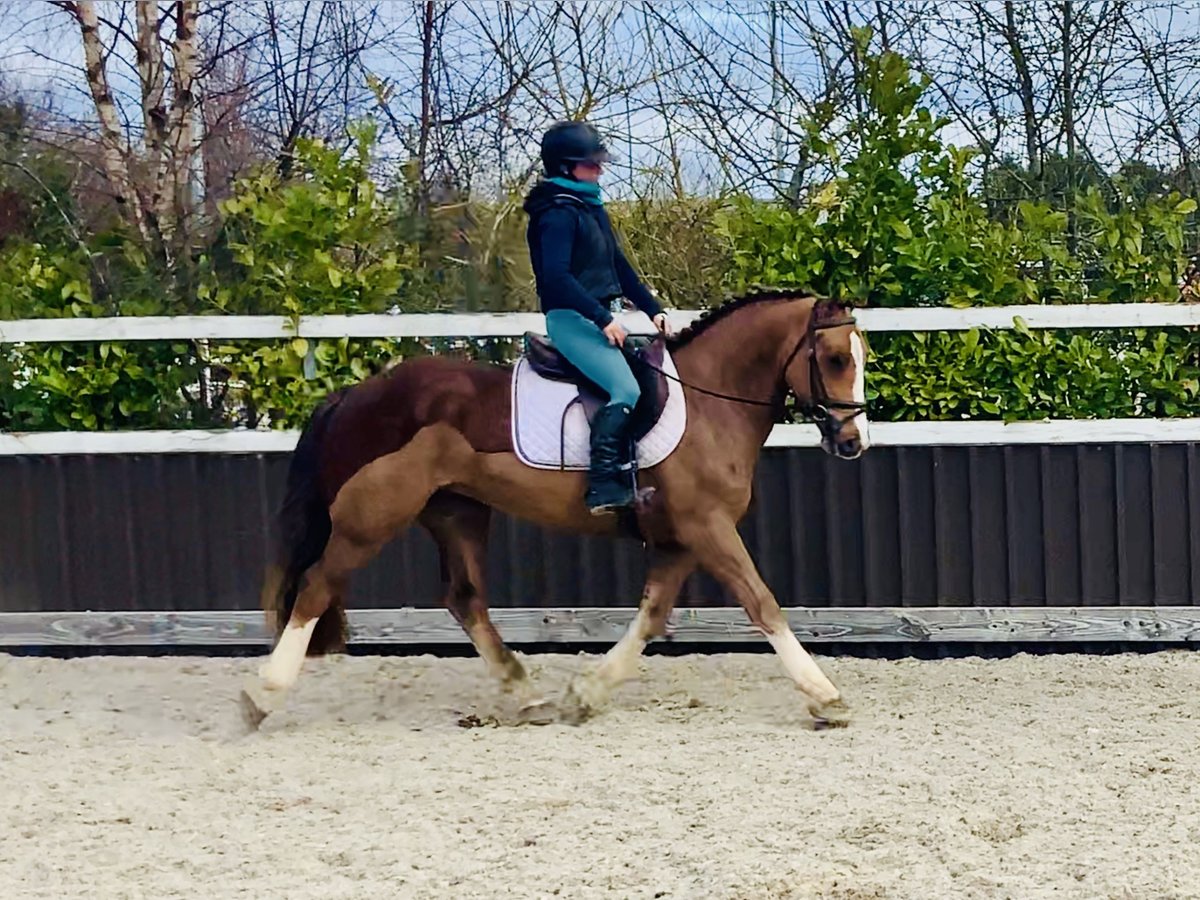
827 309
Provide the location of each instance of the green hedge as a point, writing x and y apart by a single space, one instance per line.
912 377
1034 375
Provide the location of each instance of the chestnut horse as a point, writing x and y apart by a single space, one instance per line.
429 441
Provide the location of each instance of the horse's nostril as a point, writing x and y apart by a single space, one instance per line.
850 447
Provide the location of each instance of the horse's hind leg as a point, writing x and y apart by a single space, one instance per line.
373 506
325 585
459 525
589 691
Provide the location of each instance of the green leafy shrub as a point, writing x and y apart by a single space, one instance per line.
86 386
99 386
323 241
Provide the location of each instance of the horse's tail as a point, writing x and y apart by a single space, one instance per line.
303 528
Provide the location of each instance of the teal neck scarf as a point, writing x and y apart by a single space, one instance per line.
589 191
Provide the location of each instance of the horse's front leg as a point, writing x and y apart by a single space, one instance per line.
591 690
718 545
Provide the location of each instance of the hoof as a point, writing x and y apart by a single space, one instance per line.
834 714
252 713
538 712
577 706
572 711
257 702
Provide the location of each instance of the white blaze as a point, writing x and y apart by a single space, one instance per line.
859 352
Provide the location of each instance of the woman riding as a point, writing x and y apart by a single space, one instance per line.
580 270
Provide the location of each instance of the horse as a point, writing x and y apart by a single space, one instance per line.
434 441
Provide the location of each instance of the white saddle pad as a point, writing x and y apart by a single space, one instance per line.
550 429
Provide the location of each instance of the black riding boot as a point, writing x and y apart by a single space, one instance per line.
610 479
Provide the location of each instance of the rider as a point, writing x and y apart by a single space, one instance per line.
580 269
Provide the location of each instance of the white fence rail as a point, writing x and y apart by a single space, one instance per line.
476 325
883 434
145 328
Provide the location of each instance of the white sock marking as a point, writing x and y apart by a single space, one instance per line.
283 668
621 660
803 669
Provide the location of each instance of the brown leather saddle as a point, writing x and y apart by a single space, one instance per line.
645 357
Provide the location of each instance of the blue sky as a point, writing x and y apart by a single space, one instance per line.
40 53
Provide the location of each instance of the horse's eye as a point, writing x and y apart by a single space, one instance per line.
839 361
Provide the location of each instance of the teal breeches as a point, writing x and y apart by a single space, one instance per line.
582 342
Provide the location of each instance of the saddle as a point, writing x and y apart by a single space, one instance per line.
645 356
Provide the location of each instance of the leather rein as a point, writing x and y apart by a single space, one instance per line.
819 407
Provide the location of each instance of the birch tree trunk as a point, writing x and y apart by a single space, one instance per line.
154 88
112 141
178 203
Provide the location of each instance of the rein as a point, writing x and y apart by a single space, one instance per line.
817 411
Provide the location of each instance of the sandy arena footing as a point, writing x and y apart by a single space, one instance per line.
1037 776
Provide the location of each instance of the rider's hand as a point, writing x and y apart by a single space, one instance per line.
662 324
615 334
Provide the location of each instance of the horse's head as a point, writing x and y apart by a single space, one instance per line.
827 372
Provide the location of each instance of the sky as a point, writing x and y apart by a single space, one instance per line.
40 54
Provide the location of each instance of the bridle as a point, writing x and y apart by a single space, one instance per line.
819 408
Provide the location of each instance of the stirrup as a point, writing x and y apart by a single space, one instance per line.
608 506
611 491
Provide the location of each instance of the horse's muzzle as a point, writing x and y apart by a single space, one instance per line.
849 447
840 437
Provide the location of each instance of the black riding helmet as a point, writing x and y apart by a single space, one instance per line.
567 143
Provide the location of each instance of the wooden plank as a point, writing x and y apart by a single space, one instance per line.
844 532
1135 526
954 561
158 328
989 528
514 324
150 629
419 627
1060 526
808 537
918 543
366 325
1194 513
1098 517
1172 534
143 328
883 434
1023 505
882 540
967 433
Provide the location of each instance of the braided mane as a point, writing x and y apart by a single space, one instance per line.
711 317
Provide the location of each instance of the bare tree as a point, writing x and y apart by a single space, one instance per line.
304 80
1165 86
230 146
711 95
